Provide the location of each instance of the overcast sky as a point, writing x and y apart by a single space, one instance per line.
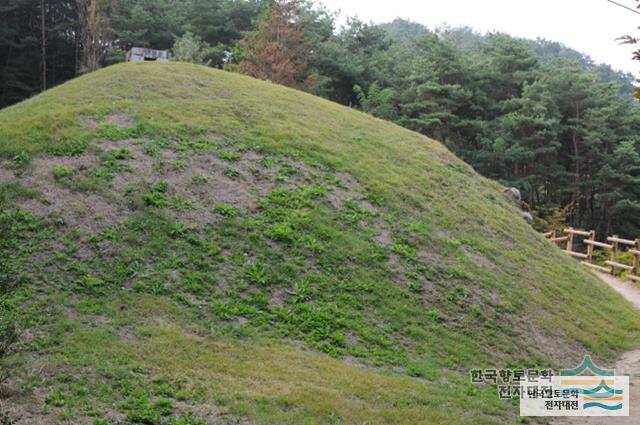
590 26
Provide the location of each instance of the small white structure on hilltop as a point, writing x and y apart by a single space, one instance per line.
141 54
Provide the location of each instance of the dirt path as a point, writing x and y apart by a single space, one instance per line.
626 288
629 364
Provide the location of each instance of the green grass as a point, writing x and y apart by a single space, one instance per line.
60 172
359 278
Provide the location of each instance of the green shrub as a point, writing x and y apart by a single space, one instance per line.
60 172
8 336
156 195
226 210
191 48
15 227
111 131
404 250
187 419
200 179
231 173
230 156
180 164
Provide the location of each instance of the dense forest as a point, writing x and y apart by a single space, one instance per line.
530 113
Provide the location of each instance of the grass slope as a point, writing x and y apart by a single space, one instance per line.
187 246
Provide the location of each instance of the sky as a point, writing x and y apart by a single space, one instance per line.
589 26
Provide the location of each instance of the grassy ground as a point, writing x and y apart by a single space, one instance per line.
184 245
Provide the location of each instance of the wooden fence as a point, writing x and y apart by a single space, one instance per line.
615 245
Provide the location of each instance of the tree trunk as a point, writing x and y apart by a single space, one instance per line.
43 60
77 53
576 152
93 33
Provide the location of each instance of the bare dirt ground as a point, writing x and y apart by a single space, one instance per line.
629 364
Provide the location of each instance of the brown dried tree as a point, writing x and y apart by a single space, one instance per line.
277 49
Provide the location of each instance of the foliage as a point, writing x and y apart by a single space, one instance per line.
629 39
20 47
378 101
191 48
620 194
60 172
148 23
8 336
7 327
15 229
358 55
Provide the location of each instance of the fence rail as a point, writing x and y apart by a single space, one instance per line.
614 245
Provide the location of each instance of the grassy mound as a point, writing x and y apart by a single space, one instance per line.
183 245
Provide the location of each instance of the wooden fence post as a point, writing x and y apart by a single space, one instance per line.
636 262
614 253
592 238
570 241
589 239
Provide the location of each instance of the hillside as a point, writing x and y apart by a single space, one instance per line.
184 245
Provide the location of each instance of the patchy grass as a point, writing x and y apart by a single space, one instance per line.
230 156
270 267
60 172
161 366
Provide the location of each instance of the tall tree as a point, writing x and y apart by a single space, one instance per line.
190 48
378 101
277 50
94 32
628 39
357 55
524 150
149 23
620 194
430 89
33 52
43 44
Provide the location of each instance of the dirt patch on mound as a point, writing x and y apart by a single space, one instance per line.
87 211
196 181
238 190
5 175
479 260
121 120
42 168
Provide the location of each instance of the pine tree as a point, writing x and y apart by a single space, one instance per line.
379 101
620 197
430 92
